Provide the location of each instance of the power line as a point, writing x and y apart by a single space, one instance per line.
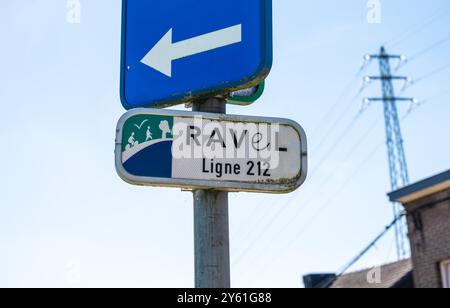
338 101
371 244
330 112
283 208
439 95
308 202
353 149
357 170
267 227
418 27
432 73
328 203
346 131
340 190
252 226
253 213
430 48
389 251
424 51
417 104
326 283
335 123
426 76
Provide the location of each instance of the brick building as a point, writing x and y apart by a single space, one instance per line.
427 205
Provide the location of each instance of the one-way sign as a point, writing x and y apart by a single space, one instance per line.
177 50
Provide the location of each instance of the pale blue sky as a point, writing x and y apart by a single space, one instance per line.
63 208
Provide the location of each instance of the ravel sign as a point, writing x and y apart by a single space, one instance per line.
207 151
177 50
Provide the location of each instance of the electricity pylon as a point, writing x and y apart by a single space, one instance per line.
398 169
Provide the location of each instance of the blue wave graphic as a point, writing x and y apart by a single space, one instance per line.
154 161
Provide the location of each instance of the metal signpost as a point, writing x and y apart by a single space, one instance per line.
205 52
211 225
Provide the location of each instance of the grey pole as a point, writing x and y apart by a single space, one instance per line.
211 229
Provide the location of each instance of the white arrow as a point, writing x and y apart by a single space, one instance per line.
160 57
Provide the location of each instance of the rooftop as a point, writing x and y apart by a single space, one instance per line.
394 275
422 189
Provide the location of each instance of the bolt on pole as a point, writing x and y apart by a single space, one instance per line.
211 224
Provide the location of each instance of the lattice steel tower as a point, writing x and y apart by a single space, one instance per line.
398 169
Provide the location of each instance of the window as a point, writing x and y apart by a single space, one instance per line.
445 269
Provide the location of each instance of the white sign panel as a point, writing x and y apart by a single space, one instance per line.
207 151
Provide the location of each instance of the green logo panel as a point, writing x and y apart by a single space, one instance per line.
145 128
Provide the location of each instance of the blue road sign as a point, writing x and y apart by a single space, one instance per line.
177 50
